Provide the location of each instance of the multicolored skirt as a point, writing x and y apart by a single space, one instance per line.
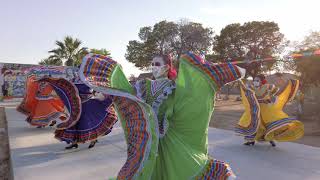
97 119
45 111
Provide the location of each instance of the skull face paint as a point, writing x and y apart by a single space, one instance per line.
159 68
257 82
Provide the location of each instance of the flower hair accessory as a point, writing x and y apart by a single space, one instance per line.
172 73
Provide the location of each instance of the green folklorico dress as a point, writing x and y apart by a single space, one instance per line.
165 122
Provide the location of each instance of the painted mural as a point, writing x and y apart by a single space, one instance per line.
13 76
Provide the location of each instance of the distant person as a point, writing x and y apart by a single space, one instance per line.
76 78
91 114
218 96
1 81
69 74
5 89
300 101
264 119
40 104
280 81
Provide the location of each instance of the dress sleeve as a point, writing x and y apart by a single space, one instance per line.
105 75
217 74
193 105
196 84
249 122
288 93
139 122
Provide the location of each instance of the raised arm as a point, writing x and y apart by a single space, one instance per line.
217 74
105 75
139 123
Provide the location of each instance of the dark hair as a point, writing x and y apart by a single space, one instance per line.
164 57
278 74
261 77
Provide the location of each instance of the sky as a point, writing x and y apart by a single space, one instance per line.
29 28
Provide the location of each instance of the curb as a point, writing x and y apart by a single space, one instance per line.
6 171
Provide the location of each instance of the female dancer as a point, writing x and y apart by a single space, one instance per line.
41 104
264 119
165 120
95 117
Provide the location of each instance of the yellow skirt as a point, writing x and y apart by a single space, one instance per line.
274 124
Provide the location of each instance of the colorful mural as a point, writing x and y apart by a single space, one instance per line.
13 76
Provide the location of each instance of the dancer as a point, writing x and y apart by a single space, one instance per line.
264 119
165 120
96 114
300 101
41 105
29 101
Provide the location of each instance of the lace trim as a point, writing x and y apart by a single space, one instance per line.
159 91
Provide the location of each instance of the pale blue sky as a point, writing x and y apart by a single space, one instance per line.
29 28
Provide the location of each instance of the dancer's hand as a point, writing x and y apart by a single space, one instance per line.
99 96
242 71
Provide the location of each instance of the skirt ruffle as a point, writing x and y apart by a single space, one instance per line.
97 119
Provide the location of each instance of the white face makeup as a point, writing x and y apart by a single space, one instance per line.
159 67
256 82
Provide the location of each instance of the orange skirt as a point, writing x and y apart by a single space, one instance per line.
40 107
29 101
46 111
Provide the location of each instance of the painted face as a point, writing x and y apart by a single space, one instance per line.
42 85
159 68
69 73
281 81
256 82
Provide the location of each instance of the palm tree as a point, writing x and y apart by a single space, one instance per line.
101 51
51 61
69 51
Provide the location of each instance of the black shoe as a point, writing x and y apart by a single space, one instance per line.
72 146
249 143
273 144
92 144
53 123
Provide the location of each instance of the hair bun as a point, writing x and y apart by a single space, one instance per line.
172 73
264 81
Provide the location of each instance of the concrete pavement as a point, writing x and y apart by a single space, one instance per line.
37 155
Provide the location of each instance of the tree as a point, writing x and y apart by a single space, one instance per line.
101 51
308 66
229 44
52 62
132 78
69 51
310 42
168 37
193 37
252 40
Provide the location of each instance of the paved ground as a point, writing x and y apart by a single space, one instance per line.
5 161
37 155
